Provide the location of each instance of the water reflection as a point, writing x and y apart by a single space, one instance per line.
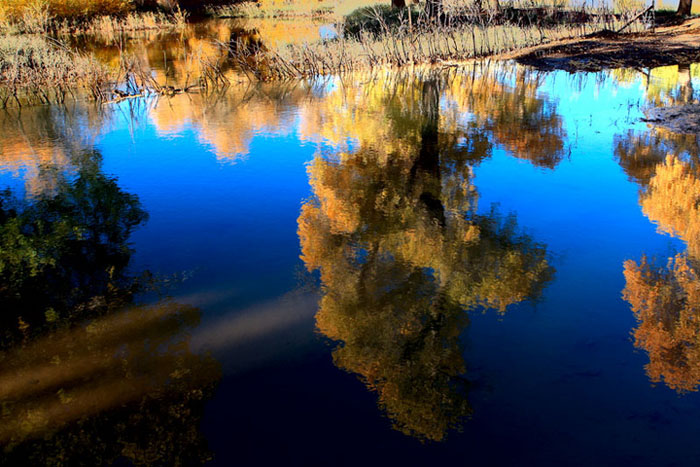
42 144
252 110
480 107
394 228
506 103
87 374
661 86
640 153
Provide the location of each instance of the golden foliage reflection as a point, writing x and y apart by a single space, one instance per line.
665 299
394 229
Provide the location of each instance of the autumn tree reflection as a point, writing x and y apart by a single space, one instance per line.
666 302
483 105
639 153
402 252
662 86
663 294
665 298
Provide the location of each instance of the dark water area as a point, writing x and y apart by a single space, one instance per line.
481 264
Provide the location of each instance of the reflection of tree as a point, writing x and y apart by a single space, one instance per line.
477 101
662 86
666 303
639 153
671 202
44 138
65 254
666 300
525 123
402 252
476 107
254 110
83 381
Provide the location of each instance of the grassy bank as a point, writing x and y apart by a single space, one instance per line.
384 38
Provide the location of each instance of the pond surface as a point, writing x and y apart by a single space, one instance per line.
480 264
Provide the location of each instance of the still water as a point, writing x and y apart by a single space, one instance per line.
480 264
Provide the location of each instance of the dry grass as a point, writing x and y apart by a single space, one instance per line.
88 16
113 25
36 70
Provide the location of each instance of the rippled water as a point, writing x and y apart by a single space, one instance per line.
479 264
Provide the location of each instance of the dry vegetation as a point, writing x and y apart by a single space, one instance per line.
377 36
333 10
88 16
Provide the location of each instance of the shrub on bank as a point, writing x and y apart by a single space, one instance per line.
377 19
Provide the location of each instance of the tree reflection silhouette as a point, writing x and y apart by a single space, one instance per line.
403 252
66 253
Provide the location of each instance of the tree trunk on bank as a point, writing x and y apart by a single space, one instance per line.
398 4
684 7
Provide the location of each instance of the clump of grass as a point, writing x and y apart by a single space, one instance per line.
113 25
18 10
40 21
36 70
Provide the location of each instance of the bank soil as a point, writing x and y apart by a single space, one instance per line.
668 45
